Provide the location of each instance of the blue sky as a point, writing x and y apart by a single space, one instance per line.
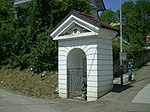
113 4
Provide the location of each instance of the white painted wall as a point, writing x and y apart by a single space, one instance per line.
89 46
105 66
99 64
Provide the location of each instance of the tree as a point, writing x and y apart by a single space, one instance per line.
136 17
24 31
136 20
43 16
6 29
109 16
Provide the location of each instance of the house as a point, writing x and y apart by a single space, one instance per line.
20 1
148 40
85 58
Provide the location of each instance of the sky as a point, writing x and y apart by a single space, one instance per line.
113 4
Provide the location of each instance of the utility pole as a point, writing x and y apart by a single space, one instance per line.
121 51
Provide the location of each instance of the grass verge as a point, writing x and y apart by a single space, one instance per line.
28 83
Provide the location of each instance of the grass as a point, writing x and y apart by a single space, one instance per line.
26 82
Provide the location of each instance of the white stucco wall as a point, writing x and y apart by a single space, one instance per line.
89 46
99 65
105 66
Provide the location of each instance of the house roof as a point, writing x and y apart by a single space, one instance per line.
99 4
89 18
20 1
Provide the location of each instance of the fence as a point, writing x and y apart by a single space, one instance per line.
142 58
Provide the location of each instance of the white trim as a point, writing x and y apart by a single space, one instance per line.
61 25
92 26
83 26
67 22
88 34
70 25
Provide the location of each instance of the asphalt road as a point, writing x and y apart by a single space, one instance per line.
121 99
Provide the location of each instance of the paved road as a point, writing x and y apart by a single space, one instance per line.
143 96
120 99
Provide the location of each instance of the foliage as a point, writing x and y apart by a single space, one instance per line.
109 16
6 29
136 17
136 20
116 49
24 32
41 53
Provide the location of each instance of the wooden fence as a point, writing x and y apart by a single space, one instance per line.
142 58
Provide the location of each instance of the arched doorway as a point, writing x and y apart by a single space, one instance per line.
76 74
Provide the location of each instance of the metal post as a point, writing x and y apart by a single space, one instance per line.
121 62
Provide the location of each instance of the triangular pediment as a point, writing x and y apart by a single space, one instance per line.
78 25
75 29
